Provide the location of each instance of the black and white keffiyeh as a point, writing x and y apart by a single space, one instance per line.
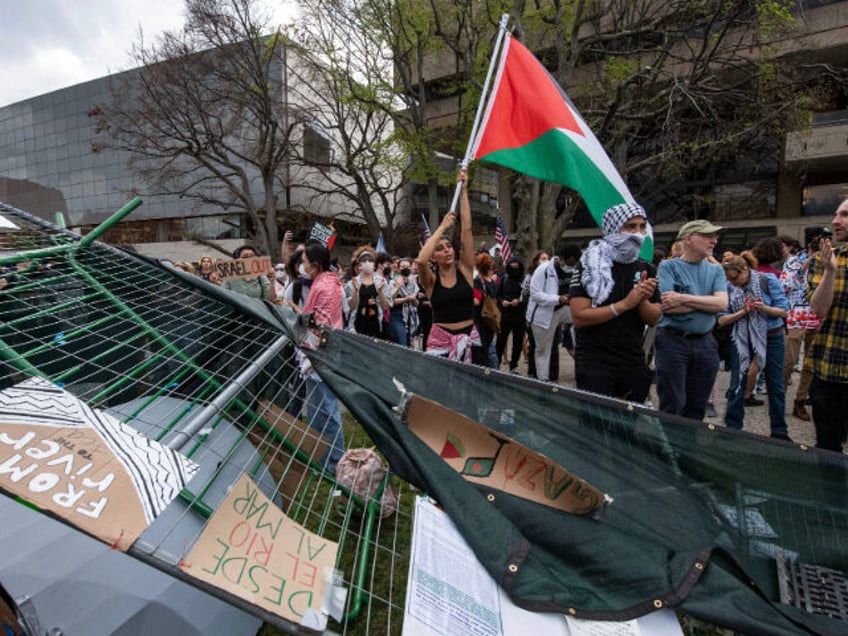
614 247
750 332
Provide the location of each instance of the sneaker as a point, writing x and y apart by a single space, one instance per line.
782 436
752 401
760 390
710 411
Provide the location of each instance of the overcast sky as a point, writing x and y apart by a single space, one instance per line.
51 44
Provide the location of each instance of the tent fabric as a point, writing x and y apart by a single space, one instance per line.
700 519
77 585
699 511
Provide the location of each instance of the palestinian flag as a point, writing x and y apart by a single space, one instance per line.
532 127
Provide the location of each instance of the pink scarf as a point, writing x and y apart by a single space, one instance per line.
453 346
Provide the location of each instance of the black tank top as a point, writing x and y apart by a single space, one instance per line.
452 304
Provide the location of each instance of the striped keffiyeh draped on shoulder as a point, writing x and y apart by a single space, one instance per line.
750 332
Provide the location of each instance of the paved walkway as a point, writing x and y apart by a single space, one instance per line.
756 418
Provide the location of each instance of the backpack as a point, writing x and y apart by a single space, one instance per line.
362 471
490 313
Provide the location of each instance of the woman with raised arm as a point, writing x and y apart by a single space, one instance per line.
447 282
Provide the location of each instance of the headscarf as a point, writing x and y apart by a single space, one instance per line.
614 247
750 332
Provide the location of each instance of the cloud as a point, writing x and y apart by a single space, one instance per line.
51 44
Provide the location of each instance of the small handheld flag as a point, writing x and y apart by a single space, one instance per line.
425 228
502 239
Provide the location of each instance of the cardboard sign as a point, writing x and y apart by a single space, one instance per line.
84 465
252 550
288 471
244 267
485 457
321 234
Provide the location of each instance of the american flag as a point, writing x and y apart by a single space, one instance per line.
425 227
503 240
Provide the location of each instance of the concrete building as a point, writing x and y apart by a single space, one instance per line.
798 189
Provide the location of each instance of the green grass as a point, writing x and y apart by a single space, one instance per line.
386 577
388 550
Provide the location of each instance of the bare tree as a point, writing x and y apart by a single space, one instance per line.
397 42
204 118
343 87
681 93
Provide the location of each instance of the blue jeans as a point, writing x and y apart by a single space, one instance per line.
397 328
686 371
325 417
773 373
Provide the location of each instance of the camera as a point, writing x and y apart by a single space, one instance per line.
387 271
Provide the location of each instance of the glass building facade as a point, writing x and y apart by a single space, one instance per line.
48 161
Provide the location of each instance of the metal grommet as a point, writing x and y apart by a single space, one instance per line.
711 427
490 498
803 447
658 603
512 568
699 566
572 611
487 372
555 389
630 408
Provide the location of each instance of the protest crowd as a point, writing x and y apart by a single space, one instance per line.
659 332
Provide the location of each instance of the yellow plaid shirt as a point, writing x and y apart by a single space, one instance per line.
829 353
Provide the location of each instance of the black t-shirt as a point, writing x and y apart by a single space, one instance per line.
617 341
367 319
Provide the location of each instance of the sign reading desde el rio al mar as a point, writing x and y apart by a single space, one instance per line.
250 548
243 267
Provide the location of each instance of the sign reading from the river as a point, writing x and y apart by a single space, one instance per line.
83 465
251 549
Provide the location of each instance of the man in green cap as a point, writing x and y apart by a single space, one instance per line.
693 291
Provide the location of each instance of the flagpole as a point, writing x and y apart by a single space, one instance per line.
495 54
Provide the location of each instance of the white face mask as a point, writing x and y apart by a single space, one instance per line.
301 269
366 267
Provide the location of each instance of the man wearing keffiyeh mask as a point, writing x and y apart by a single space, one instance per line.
613 296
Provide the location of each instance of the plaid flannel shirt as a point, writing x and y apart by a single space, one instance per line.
829 353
